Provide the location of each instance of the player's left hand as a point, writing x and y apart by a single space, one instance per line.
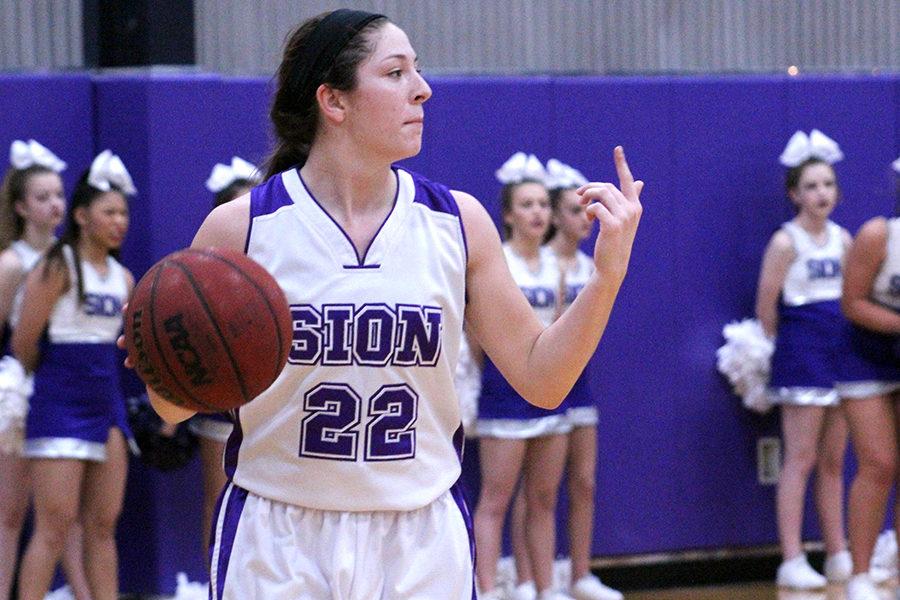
618 209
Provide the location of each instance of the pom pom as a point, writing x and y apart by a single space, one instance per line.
745 360
190 590
467 381
15 388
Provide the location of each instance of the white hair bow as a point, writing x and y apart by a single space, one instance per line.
896 165
817 145
561 176
28 154
224 175
521 167
107 170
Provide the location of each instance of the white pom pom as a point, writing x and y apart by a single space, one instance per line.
189 590
745 360
467 381
15 389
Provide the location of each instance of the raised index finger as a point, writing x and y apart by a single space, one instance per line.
626 180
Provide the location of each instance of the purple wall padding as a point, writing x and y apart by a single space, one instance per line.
677 452
56 111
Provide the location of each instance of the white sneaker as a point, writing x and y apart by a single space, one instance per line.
494 594
860 587
524 591
797 574
590 587
838 567
553 595
879 575
63 593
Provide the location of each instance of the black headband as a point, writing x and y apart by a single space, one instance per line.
324 44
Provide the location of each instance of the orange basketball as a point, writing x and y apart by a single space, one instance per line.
208 329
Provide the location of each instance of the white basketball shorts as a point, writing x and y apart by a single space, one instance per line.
268 550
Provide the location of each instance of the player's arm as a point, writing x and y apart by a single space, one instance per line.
543 364
225 227
861 267
43 288
777 260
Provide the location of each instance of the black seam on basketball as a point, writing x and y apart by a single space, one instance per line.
280 364
234 366
159 350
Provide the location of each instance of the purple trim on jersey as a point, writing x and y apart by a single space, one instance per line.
233 509
361 266
265 199
361 261
233 446
438 198
459 496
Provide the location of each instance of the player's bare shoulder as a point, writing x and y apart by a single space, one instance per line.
226 226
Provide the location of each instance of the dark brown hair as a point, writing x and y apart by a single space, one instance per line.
12 225
296 119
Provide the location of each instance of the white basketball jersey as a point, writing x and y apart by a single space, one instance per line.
97 319
886 288
540 286
815 274
364 416
29 257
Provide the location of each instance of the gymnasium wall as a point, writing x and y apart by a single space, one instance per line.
677 452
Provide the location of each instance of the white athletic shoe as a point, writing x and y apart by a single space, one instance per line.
63 593
797 574
879 575
553 595
590 587
860 587
524 591
494 594
838 567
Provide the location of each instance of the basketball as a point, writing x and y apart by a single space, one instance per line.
208 329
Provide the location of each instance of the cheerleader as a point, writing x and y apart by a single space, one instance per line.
75 434
870 386
798 304
516 439
226 182
571 228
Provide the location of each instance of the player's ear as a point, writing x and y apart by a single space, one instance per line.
331 103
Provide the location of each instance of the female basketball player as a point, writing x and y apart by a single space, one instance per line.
350 460
33 204
518 440
870 385
74 436
798 301
572 227
227 182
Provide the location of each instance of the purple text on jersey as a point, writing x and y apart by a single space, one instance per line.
373 335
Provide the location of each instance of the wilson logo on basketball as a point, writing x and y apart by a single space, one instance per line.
142 363
185 353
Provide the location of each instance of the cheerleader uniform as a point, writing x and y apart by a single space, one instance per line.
582 409
808 348
502 412
77 397
872 363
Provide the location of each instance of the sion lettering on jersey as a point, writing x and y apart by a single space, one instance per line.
373 335
824 268
102 305
539 297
